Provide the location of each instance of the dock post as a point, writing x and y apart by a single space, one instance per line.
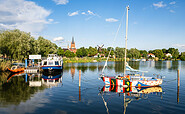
79 85
79 93
79 78
178 77
178 85
26 63
26 76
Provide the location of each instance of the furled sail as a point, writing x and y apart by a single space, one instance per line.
129 68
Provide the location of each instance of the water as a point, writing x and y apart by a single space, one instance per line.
16 96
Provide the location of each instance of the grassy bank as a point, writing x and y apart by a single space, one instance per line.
88 59
4 65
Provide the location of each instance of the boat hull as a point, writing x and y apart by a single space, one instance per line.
52 68
16 70
129 83
146 83
113 81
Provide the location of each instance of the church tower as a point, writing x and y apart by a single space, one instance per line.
73 48
73 43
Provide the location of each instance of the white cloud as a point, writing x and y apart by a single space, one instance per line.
73 14
179 46
83 13
159 5
111 20
172 11
87 13
172 3
90 12
58 39
61 2
23 15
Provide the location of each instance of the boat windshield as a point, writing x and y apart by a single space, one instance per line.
56 63
45 62
50 63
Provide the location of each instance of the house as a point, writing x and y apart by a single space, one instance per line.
168 55
151 55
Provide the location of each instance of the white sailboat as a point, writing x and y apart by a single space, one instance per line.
130 80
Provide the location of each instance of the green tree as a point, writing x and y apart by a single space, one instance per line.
119 52
182 56
164 50
143 53
92 51
60 51
46 46
68 53
17 44
134 53
82 52
174 52
158 53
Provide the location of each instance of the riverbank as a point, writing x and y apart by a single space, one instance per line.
4 65
89 59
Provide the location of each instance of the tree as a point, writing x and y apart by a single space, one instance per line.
46 46
158 53
134 53
164 50
119 52
143 53
174 52
92 51
182 56
17 44
68 53
60 51
82 52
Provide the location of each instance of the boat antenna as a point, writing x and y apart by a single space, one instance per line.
126 40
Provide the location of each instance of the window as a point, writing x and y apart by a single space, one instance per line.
50 63
56 63
45 62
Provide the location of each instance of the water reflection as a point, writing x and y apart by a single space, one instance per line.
16 91
170 65
20 87
52 79
130 94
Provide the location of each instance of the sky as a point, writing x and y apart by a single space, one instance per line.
152 24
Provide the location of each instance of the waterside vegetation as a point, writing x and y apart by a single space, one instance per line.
18 45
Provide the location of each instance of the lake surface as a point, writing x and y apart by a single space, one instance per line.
19 94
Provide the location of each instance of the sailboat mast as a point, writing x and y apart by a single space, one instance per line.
126 39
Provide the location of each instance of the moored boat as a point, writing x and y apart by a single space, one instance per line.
52 63
132 80
16 69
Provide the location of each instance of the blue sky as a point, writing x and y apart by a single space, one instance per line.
153 24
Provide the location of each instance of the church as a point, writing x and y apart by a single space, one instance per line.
72 48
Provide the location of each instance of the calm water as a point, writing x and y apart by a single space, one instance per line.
65 96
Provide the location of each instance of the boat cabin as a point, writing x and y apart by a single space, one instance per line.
52 60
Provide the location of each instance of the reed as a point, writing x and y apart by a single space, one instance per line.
4 65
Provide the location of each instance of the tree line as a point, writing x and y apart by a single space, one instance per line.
17 44
118 52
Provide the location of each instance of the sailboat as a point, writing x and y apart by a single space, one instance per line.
130 80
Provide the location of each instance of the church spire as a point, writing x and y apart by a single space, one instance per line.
73 40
